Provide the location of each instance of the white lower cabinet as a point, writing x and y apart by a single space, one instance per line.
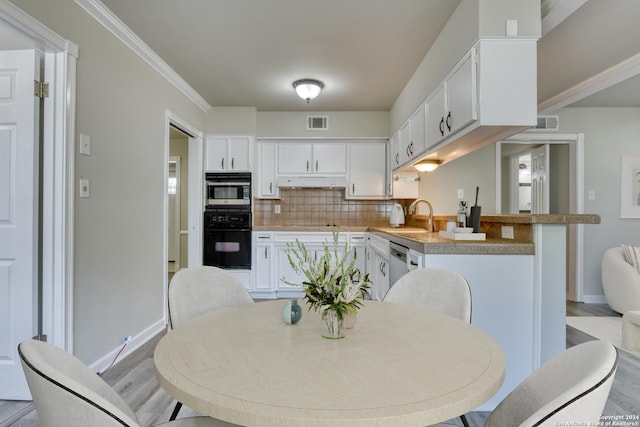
378 265
271 264
262 266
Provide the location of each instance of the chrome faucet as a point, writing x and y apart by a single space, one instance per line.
412 210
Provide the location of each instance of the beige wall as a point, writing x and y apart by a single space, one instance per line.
342 124
441 186
119 230
609 133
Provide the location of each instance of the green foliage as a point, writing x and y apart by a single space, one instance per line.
332 281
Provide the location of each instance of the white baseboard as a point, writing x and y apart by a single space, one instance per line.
594 299
135 343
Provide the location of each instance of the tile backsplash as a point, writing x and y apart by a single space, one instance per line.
314 207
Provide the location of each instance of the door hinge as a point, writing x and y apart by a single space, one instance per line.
40 89
40 337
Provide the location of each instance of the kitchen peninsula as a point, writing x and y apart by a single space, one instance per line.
518 285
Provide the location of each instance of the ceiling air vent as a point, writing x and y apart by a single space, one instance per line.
317 123
546 123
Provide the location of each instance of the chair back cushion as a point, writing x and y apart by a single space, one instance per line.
570 389
620 281
66 393
199 290
441 290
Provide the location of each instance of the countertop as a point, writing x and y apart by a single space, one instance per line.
431 243
419 239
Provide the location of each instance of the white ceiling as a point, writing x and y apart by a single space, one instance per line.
249 52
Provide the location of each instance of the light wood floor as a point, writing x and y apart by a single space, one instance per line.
134 379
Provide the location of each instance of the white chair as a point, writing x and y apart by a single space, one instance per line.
620 281
444 291
570 389
67 393
440 290
199 290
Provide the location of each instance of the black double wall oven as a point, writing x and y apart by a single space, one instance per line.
227 221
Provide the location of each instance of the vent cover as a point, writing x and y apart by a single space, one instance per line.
547 123
317 122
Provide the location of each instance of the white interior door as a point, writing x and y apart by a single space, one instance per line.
540 180
19 154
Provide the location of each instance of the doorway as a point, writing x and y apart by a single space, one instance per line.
183 203
565 158
177 206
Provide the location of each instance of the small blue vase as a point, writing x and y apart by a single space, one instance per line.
291 312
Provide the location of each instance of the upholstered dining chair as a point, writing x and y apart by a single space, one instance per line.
199 290
569 389
66 393
441 290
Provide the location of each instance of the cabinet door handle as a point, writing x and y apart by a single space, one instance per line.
355 253
271 187
449 121
232 162
266 253
316 166
413 263
397 158
222 163
307 165
411 148
384 266
353 189
441 126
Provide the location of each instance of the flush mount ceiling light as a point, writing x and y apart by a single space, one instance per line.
427 165
308 89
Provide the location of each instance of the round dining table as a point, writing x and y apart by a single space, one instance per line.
399 365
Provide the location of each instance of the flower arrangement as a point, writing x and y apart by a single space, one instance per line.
332 281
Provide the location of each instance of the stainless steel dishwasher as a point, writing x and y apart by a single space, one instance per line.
397 262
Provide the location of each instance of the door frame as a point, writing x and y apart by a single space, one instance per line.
195 199
58 159
575 232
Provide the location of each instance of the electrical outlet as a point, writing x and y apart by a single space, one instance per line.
511 29
507 232
460 193
276 209
84 188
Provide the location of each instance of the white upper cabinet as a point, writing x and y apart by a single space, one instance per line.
266 175
417 134
227 153
307 158
367 170
489 95
453 104
394 150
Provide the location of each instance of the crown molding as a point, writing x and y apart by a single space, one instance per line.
97 10
20 20
618 73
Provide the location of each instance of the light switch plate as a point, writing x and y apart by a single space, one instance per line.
84 188
85 145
